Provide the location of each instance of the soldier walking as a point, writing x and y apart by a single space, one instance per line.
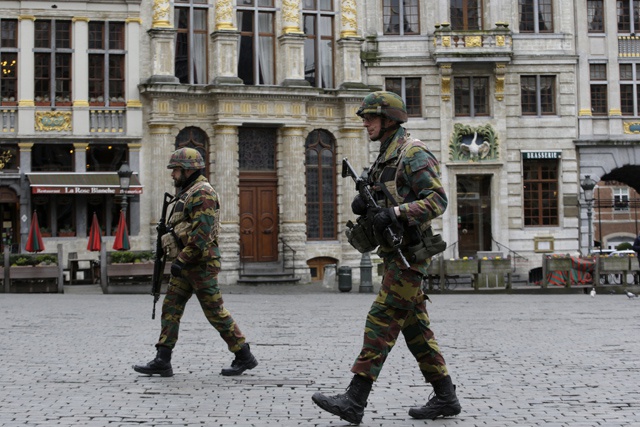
193 245
405 181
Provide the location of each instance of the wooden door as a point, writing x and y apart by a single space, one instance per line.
258 217
474 214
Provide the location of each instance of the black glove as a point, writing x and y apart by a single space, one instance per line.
176 268
359 206
384 218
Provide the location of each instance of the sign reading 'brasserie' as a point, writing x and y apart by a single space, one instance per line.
541 155
83 190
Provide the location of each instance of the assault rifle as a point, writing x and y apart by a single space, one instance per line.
391 238
160 257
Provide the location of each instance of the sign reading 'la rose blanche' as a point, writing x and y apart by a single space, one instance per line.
83 190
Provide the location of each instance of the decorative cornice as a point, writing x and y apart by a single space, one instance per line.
80 103
585 112
133 21
26 103
615 112
80 19
134 103
26 18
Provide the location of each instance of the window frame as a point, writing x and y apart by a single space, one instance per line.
634 84
11 65
466 7
472 96
54 53
632 18
531 213
192 6
387 17
594 7
108 54
620 196
537 10
257 78
319 168
598 89
413 109
540 111
316 40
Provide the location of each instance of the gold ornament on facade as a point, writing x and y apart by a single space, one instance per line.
631 128
500 72
584 112
446 41
615 112
291 17
160 15
473 41
5 158
500 41
224 15
349 19
53 121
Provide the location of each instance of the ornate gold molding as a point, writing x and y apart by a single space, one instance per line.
349 19
80 145
291 17
26 103
224 16
500 41
585 112
615 112
47 121
473 41
160 16
80 19
134 103
80 103
133 21
445 82
26 18
25 146
501 70
631 128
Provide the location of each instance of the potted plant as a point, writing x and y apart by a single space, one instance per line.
66 232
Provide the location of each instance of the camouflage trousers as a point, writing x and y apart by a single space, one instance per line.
388 318
201 279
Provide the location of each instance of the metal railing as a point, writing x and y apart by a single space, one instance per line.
510 251
285 246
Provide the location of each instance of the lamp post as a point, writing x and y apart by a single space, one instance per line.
588 185
124 173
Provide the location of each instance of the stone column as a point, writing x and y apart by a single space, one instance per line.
134 200
291 67
161 146
80 90
225 178
162 36
353 146
26 104
132 73
292 196
25 195
224 61
348 64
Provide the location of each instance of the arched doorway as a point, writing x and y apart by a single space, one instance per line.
9 213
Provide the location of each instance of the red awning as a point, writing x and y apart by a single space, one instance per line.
86 183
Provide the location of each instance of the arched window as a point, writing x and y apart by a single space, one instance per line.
193 137
321 185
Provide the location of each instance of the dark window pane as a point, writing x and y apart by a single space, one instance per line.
599 99
52 157
105 157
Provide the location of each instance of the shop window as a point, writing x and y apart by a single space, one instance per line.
9 62
106 157
52 158
540 192
56 214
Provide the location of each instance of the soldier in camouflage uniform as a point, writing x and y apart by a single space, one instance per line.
193 241
405 180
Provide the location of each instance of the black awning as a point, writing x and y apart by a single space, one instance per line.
80 183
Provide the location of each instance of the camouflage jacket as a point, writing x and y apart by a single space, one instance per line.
411 173
200 210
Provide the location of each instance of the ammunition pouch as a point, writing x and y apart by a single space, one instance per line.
360 235
174 241
428 246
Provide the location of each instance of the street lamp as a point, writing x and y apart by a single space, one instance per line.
124 173
588 185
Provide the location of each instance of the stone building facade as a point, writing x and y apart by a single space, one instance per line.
267 90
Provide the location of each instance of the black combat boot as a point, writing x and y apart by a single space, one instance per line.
443 404
350 405
161 365
244 360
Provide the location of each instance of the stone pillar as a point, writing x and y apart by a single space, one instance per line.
25 195
292 196
291 67
26 104
349 19
224 61
353 146
80 90
134 200
157 157
348 64
132 94
163 60
226 180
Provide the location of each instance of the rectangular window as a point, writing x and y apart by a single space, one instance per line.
471 96
540 192
9 61
595 16
406 12
536 16
256 56
537 95
409 90
318 47
598 77
466 14
191 41
629 90
620 198
52 57
106 63
628 12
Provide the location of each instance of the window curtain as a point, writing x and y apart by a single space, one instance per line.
199 50
387 14
545 15
265 43
326 52
411 19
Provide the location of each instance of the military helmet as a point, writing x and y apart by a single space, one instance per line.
384 103
186 158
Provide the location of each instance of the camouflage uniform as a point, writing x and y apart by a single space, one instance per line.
412 176
201 257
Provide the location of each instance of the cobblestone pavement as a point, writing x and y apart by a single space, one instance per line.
518 360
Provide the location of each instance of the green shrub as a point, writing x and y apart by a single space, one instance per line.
129 257
27 259
624 246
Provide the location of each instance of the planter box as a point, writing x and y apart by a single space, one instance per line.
461 266
434 267
615 263
28 279
495 266
130 278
